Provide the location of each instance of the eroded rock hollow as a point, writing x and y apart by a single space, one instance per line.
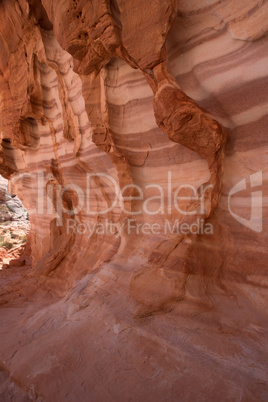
134 132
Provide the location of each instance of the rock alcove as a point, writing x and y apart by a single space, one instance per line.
156 113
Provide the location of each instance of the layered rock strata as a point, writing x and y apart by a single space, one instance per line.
129 107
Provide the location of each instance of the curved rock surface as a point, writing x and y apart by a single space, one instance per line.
121 121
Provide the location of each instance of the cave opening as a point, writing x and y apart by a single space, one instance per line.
14 228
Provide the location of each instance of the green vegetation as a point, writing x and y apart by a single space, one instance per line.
6 244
